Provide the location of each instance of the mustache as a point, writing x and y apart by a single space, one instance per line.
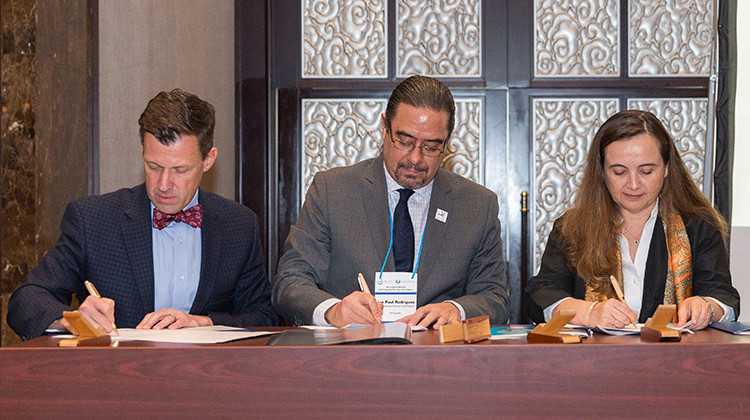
408 165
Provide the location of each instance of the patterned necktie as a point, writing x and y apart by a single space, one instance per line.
403 233
192 216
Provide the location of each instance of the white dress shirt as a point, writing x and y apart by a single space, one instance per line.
634 272
419 205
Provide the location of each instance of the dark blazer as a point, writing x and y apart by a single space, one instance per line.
711 275
343 229
107 240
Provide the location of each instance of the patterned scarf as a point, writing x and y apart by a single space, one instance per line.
679 284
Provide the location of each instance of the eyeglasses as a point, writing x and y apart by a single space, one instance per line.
408 146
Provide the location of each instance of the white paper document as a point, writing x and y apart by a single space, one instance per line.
194 335
628 330
414 328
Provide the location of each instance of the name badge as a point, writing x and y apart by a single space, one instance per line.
398 293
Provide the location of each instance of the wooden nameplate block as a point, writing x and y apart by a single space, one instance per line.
550 332
470 331
89 334
656 327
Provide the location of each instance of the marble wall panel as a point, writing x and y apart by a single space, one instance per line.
18 21
46 128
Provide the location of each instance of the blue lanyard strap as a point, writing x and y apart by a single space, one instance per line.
390 245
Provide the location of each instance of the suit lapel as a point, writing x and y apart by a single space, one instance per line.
434 235
210 249
374 196
136 231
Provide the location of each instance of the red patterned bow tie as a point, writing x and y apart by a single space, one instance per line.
192 216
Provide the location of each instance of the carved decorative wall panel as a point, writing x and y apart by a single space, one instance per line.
340 132
344 39
576 38
463 153
563 130
686 120
670 37
439 38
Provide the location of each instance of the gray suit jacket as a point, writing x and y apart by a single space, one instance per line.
343 229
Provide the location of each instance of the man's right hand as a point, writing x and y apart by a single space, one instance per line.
357 308
100 311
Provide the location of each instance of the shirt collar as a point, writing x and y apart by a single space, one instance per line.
393 186
654 212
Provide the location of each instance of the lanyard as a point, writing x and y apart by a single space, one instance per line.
390 245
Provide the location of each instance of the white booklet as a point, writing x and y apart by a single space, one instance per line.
628 330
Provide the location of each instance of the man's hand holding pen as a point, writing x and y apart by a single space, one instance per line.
356 308
99 310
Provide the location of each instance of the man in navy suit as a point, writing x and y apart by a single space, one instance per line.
162 255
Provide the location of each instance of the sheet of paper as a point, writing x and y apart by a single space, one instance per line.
637 330
414 328
195 335
619 331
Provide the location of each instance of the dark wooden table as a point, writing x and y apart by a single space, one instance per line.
705 375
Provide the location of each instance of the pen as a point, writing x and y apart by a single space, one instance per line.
363 285
92 291
618 291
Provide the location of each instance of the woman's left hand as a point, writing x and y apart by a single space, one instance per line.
698 310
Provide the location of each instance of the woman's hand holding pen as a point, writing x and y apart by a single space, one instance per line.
612 313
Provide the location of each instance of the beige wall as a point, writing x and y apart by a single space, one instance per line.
146 46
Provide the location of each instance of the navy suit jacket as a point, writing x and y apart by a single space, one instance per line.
107 240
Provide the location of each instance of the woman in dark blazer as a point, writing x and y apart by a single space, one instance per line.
638 218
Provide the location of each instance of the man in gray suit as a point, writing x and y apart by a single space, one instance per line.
399 213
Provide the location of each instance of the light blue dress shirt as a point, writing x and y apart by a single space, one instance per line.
177 263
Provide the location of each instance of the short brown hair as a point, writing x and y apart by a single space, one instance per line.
422 92
170 115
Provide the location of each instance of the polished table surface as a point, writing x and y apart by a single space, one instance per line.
707 374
